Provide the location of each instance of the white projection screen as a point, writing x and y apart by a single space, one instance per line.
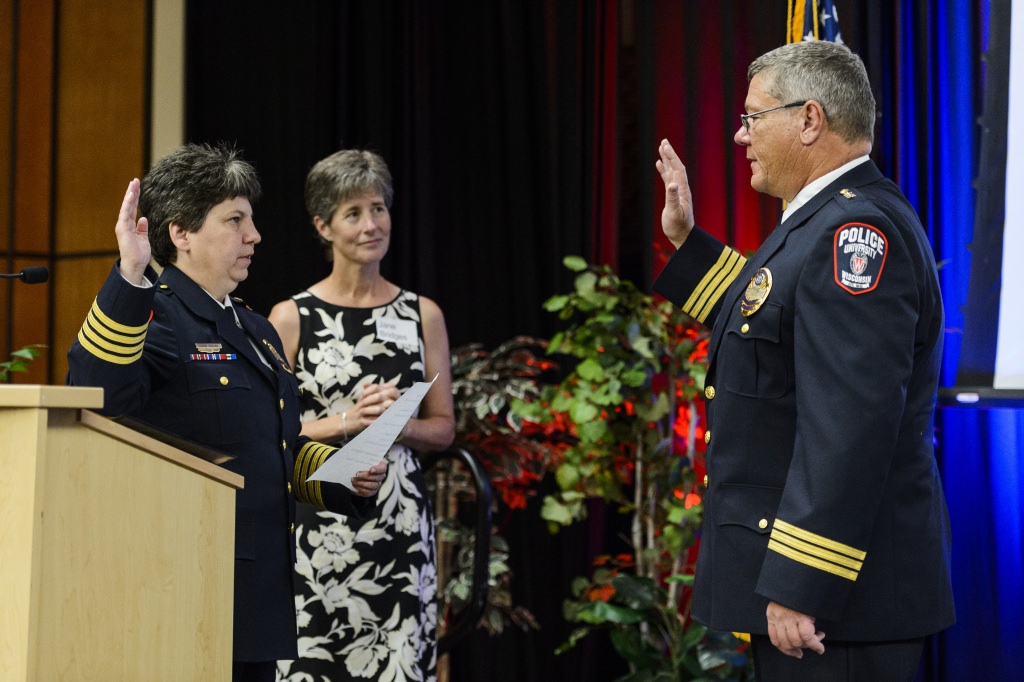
991 363
1009 366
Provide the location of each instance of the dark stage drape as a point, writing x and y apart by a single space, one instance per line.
522 131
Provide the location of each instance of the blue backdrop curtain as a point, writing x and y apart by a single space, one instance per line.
941 78
519 132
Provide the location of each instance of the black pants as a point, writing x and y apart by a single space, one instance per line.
841 662
253 671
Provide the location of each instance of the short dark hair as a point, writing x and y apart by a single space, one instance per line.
184 185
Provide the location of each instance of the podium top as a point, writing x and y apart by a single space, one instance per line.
36 395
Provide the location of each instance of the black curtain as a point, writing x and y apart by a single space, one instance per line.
478 108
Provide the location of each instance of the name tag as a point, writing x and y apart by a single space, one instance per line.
401 332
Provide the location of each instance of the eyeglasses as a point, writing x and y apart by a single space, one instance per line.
746 118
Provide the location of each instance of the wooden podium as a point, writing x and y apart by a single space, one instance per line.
116 549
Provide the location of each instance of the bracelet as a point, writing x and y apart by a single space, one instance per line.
344 423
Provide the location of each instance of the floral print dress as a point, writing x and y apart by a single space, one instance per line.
364 589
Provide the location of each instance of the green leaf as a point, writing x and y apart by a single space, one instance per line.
556 512
28 352
594 431
567 476
585 283
681 579
638 593
642 346
574 263
591 370
598 612
555 303
564 512
581 413
574 637
630 646
634 377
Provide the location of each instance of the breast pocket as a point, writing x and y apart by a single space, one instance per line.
219 391
753 359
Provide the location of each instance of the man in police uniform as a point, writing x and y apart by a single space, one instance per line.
185 357
825 524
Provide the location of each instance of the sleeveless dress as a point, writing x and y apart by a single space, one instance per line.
364 589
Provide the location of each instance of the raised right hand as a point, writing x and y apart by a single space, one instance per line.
132 236
677 216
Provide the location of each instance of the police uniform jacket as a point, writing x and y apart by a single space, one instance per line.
823 492
172 357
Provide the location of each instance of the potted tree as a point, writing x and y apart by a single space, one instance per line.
634 440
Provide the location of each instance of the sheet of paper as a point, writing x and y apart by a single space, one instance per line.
370 445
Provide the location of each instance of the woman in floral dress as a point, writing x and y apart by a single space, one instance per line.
365 590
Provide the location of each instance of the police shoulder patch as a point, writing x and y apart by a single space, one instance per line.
858 253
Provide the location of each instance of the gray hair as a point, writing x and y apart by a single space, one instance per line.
343 176
827 72
183 186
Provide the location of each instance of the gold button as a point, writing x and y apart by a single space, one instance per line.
291 528
707 437
709 392
289 487
284 445
705 480
223 381
763 523
282 403
745 328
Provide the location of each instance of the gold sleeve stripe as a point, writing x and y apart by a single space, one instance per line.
111 341
815 550
713 285
116 326
114 343
818 540
811 561
308 460
88 345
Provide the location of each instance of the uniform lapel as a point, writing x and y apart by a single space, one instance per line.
859 175
269 354
770 245
202 305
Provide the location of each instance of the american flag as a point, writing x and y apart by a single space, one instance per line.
813 20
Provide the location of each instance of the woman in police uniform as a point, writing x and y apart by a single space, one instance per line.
177 352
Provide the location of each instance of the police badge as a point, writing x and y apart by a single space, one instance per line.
756 293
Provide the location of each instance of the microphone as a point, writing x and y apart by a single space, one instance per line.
33 274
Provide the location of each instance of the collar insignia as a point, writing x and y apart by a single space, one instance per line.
277 356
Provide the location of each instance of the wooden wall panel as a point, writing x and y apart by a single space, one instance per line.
100 137
28 98
6 130
31 312
77 83
102 105
75 302
33 177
